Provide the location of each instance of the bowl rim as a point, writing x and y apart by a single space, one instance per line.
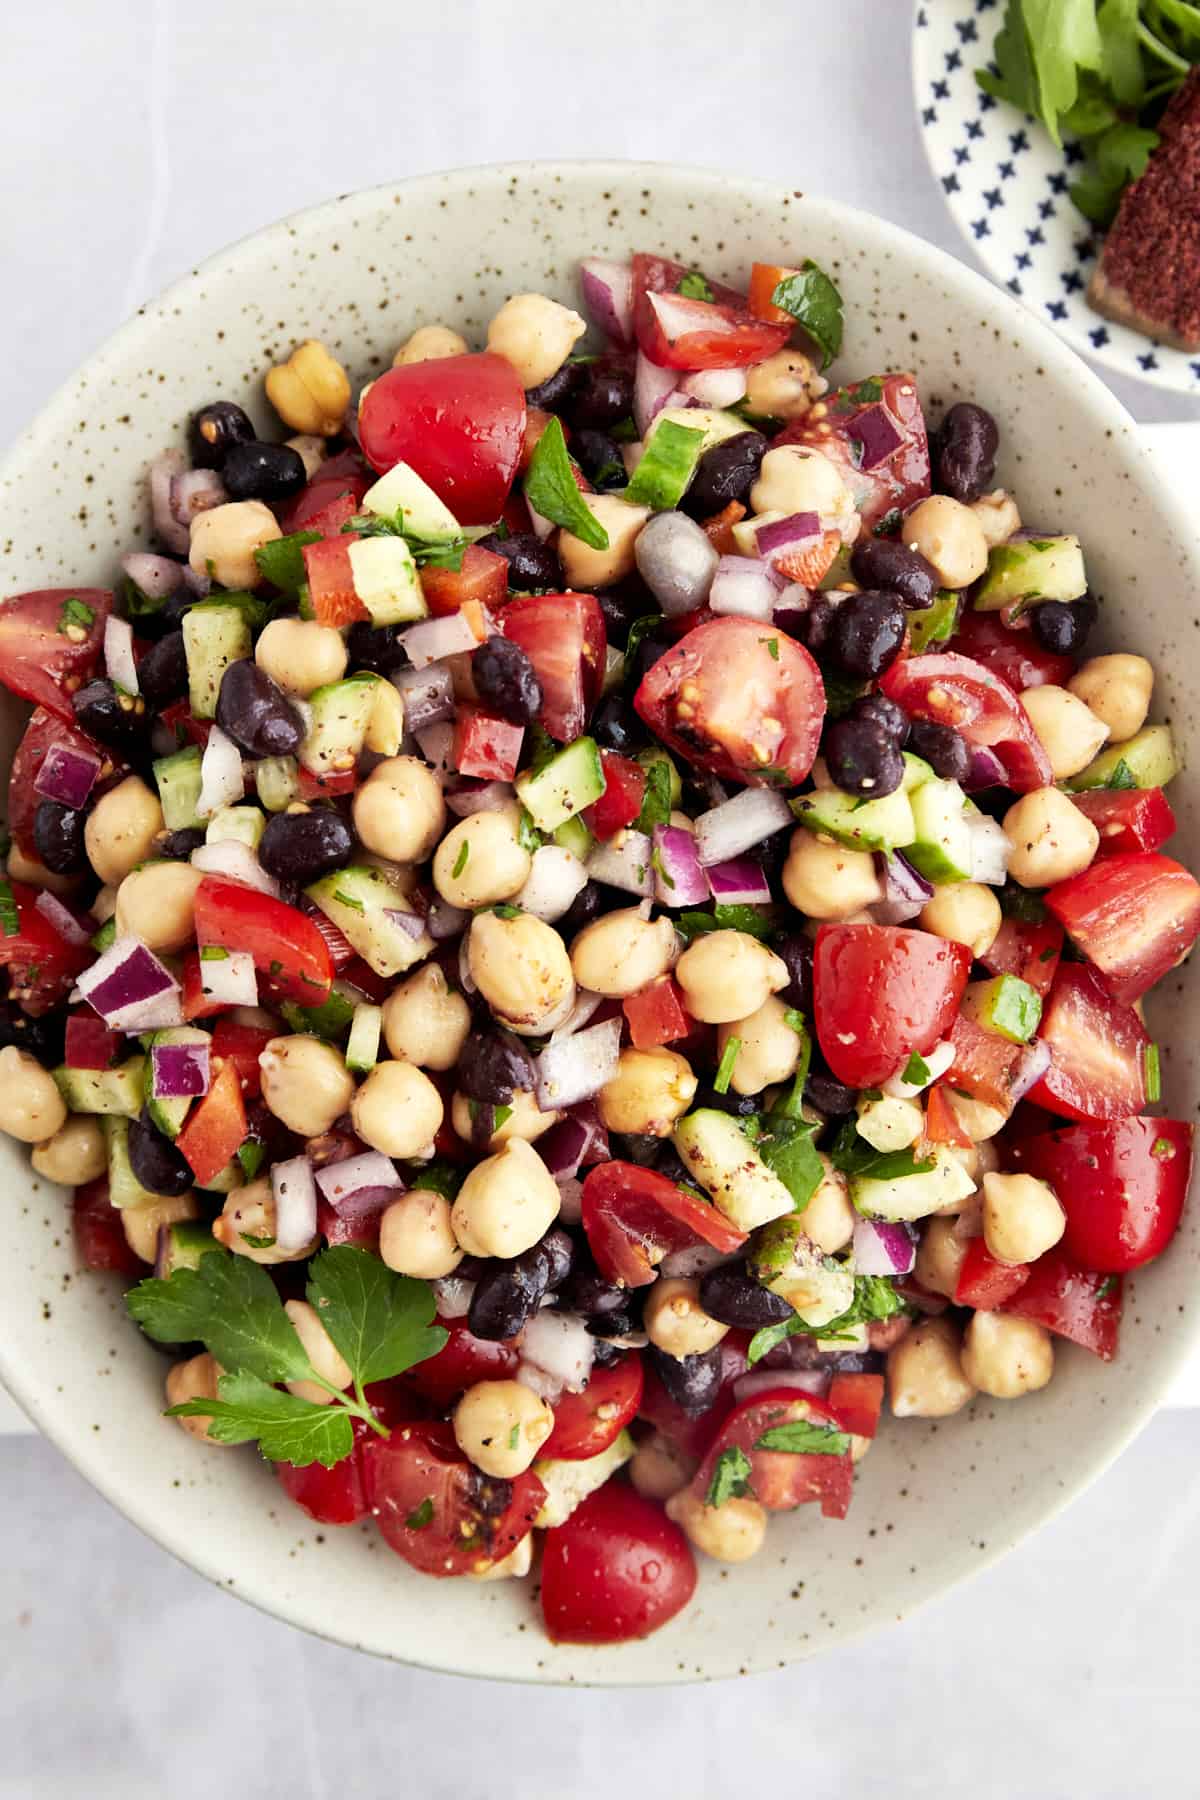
1038 341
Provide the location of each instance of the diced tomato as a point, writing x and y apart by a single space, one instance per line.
984 1282
483 577
330 1496
779 1479
618 1569
216 1127
241 1045
656 1015
100 1241
621 801
462 1361
458 421
328 786
857 1401
50 641
89 1043
178 718
587 1423
1128 819
1121 1183
332 497
680 333
1010 651
1072 1302
563 636
1134 917
485 745
744 703
1097 1048
41 965
952 690
1027 948
834 427
941 1125
285 944
719 529
809 565
984 1065
629 1211
879 993
764 279
44 731
335 599
437 1511
341 950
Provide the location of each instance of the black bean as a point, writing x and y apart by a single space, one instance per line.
693 1382
588 1293
214 430
740 1106
605 394
892 719
889 565
262 471
506 681
829 1095
770 853
635 1147
42 1037
492 1066
615 726
943 748
965 451
599 456
735 1298
301 847
177 846
375 647
1062 626
58 837
167 618
862 759
559 1248
614 1325
813 627
163 671
797 952
255 712
724 474
605 1354
1088 612
650 646
531 564
553 394
113 718
668 1162
155 1161
621 605
866 633
510 1291
587 905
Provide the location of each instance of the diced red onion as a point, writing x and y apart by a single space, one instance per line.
436 744
677 561
371 1169
199 584
428 696
739 882
164 470
715 387
555 877
295 1203
196 491
624 862
745 588
780 535
118 653
180 1071
229 856
877 432
570 1204
882 1249
1031 1066
412 923
67 776
230 980
452 1296
221 782
652 388
561 1346
985 770
692 1261
158 577
607 289
791 608
738 824
761 1381
990 850
548 1387
435 639
562 1147
586 1003
493 796
678 878
444 921
124 982
576 1067
905 892
62 919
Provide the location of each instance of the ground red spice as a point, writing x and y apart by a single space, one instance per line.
1152 252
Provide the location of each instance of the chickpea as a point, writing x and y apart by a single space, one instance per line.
75 1154
966 912
522 969
31 1107
950 537
1022 1218
158 904
978 1159
195 1379
481 861
306 1083
247 1225
977 1119
770 1047
397 1110
121 829
32 870
536 335
622 953
1117 689
829 1218
649 1092
399 811
324 1355
1051 839
430 343
675 1321
783 386
142 1224
311 450
940 1257
301 655
730 1533
925 1376
501 1426
425 1021
794 479
585 568
659 1470
1005 1356
223 541
506 1204
724 972
998 517
311 390
1070 732
525 1120
825 881
416 1238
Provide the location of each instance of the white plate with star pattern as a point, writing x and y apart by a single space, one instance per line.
1006 185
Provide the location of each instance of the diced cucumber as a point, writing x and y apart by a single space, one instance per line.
236 824
277 782
187 1240
114 1091
941 845
386 580
1043 568
215 634
785 1259
573 835
169 1115
362 1046
932 624
1148 759
889 1123
916 772
838 572
331 1020
177 778
1006 1006
902 1197
716 425
571 780
568 1483
723 1160
124 1188
341 712
662 476
402 495
363 903
883 824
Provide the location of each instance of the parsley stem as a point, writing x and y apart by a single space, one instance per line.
1156 47
357 1406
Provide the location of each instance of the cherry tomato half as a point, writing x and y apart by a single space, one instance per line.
458 421
587 1423
879 993
1122 1184
949 689
437 1511
1134 917
618 1569
50 642
867 412
629 1211
782 1479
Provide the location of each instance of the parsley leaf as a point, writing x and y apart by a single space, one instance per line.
288 1429
853 1155
550 489
725 1067
730 1477
789 1152
281 562
10 919
1122 777
725 918
802 1438
380 1321
232 1306
656 796
874 1298
1153 1074
815 304
421 1516
694 287
76 612
915 1071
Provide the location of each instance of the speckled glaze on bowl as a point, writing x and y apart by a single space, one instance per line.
934 1502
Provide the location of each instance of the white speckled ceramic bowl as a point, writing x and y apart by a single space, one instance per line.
933 1503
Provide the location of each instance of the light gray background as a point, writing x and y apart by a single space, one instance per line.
135 138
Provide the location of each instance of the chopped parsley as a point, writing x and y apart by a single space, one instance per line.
694 287
874 1298
421 1516
213 953
514 1437
460 861
853 1155
551 489
801 1437
730 1477
656 796
795 1020
10 919
772 644
916 1071
1153 1074
75 612
725 918
815 304
724 1072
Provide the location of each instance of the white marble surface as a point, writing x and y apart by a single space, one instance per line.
135 138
